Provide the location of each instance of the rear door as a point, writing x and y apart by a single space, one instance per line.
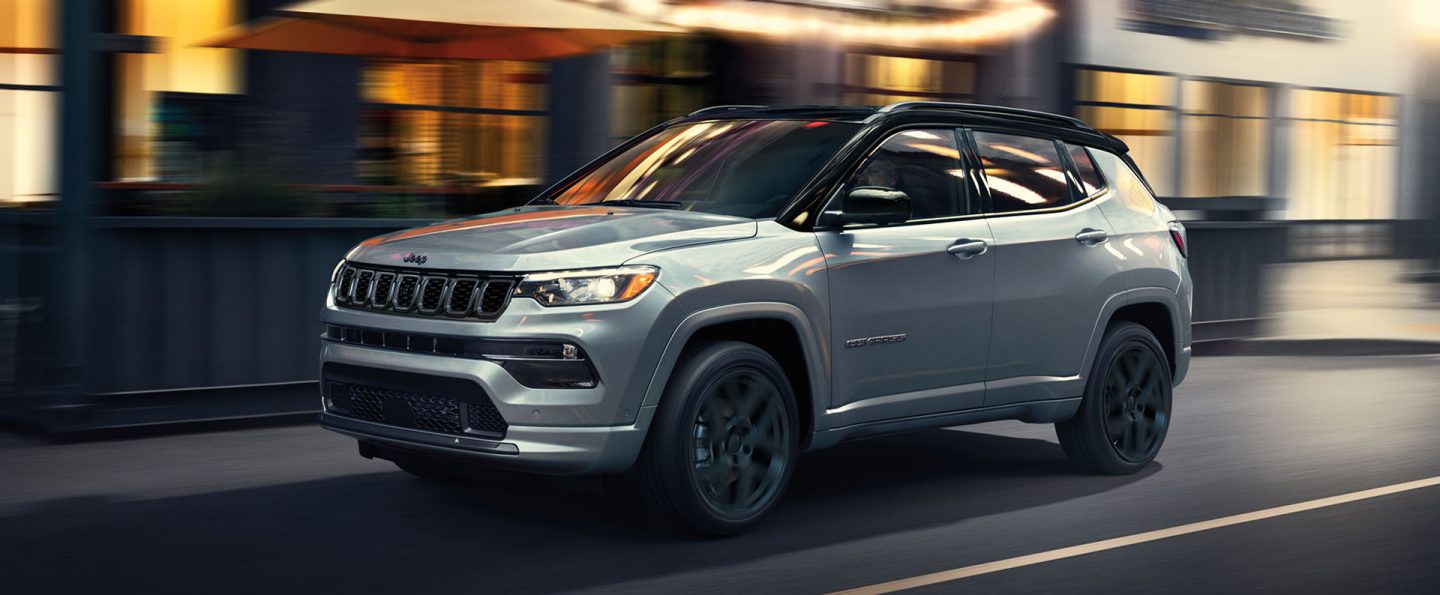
1052 255
910 303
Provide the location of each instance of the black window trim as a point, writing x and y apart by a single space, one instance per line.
979 173
967 164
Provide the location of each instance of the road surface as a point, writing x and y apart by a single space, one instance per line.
295 509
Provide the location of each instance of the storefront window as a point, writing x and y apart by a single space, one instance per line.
453 123
174 103
1343 155
28 102
1139 108
657 81
1226 133
879 80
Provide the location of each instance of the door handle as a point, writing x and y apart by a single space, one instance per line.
1092 237
967 249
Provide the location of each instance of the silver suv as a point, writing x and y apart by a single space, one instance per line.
742 284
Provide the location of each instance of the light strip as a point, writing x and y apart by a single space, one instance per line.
1009 19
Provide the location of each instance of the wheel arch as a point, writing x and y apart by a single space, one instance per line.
1155 308
780 329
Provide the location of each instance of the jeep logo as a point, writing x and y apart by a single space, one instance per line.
415 258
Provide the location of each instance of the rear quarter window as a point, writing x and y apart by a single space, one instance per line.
1129 189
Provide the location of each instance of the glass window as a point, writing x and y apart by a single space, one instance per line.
925 165
879 80
1023 172
28 103
747 168
167 96
1085 166
453 123
1343 155
1139 108
657 81
1226 132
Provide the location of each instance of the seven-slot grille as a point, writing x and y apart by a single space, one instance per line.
423 293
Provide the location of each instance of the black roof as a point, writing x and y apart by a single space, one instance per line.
967 114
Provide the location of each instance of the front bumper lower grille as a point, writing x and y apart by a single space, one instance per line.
434 404
422 293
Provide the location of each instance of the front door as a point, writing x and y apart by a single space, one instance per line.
910 303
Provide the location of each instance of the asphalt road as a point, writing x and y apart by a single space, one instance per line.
296 510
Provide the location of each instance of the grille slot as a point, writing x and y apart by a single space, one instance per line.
405 290
363 280
384 285
345 285
492 301
462 291
432 292
422 293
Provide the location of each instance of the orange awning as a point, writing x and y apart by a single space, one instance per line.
442 29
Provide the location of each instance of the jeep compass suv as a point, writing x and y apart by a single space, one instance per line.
744 283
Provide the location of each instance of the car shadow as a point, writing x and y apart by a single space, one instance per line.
387 531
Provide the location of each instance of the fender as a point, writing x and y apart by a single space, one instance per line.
814 353
1141 295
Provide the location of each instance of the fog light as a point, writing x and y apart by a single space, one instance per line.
540 373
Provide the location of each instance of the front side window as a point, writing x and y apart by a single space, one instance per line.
1023 172
746 168
925 165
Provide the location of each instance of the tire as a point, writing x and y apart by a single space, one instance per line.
1125 412
708 466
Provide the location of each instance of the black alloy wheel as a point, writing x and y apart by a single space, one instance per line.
722 446
1124 414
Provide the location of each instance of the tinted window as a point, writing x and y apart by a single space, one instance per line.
749 168
925 165
1023 172
1089 175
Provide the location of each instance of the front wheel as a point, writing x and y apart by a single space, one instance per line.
723 444
1125 413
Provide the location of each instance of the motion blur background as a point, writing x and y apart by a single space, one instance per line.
170 209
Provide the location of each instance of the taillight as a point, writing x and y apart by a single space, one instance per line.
1177 233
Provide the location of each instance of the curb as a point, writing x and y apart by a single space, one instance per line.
1316 347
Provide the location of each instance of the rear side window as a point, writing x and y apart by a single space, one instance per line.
1085 168
1024 173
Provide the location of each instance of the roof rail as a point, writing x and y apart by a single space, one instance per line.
976 108
715 109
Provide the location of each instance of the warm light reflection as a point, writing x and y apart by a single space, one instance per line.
1018 152
1007 20
1016 191
1052 173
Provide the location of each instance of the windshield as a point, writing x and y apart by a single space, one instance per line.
746 168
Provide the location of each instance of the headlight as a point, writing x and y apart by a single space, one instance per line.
596 286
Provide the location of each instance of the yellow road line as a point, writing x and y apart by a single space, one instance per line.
945 576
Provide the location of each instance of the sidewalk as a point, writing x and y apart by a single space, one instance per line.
1345 307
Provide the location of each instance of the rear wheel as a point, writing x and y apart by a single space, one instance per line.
1125 413
723 444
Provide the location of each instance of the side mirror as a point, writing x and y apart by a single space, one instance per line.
871 204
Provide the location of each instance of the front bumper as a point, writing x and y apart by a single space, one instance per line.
549 430
560 451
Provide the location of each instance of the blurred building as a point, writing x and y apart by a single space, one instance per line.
1290 127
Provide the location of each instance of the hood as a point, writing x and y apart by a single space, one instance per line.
547 238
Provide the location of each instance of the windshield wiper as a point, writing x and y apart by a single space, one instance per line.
652 204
